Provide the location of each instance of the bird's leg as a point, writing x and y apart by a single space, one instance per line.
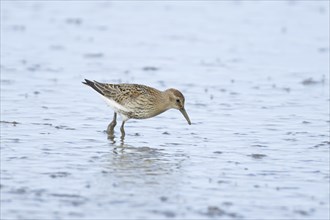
112 125
122 130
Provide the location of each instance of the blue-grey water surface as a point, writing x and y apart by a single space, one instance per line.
256 80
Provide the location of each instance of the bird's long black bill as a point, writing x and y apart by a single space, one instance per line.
183 111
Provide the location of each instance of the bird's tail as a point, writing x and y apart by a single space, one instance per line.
93 85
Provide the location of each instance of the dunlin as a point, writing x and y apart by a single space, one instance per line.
137 101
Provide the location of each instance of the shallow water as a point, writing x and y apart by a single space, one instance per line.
256 80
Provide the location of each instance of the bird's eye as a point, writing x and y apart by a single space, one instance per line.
178 100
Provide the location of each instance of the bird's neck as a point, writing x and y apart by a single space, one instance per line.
163 104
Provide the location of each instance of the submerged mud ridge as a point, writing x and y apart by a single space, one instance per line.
260 112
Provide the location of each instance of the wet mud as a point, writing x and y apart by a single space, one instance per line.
255 76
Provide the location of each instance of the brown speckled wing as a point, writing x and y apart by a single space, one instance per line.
126 94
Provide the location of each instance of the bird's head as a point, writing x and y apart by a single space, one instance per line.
177 102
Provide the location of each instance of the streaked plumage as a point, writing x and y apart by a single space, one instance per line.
137 101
